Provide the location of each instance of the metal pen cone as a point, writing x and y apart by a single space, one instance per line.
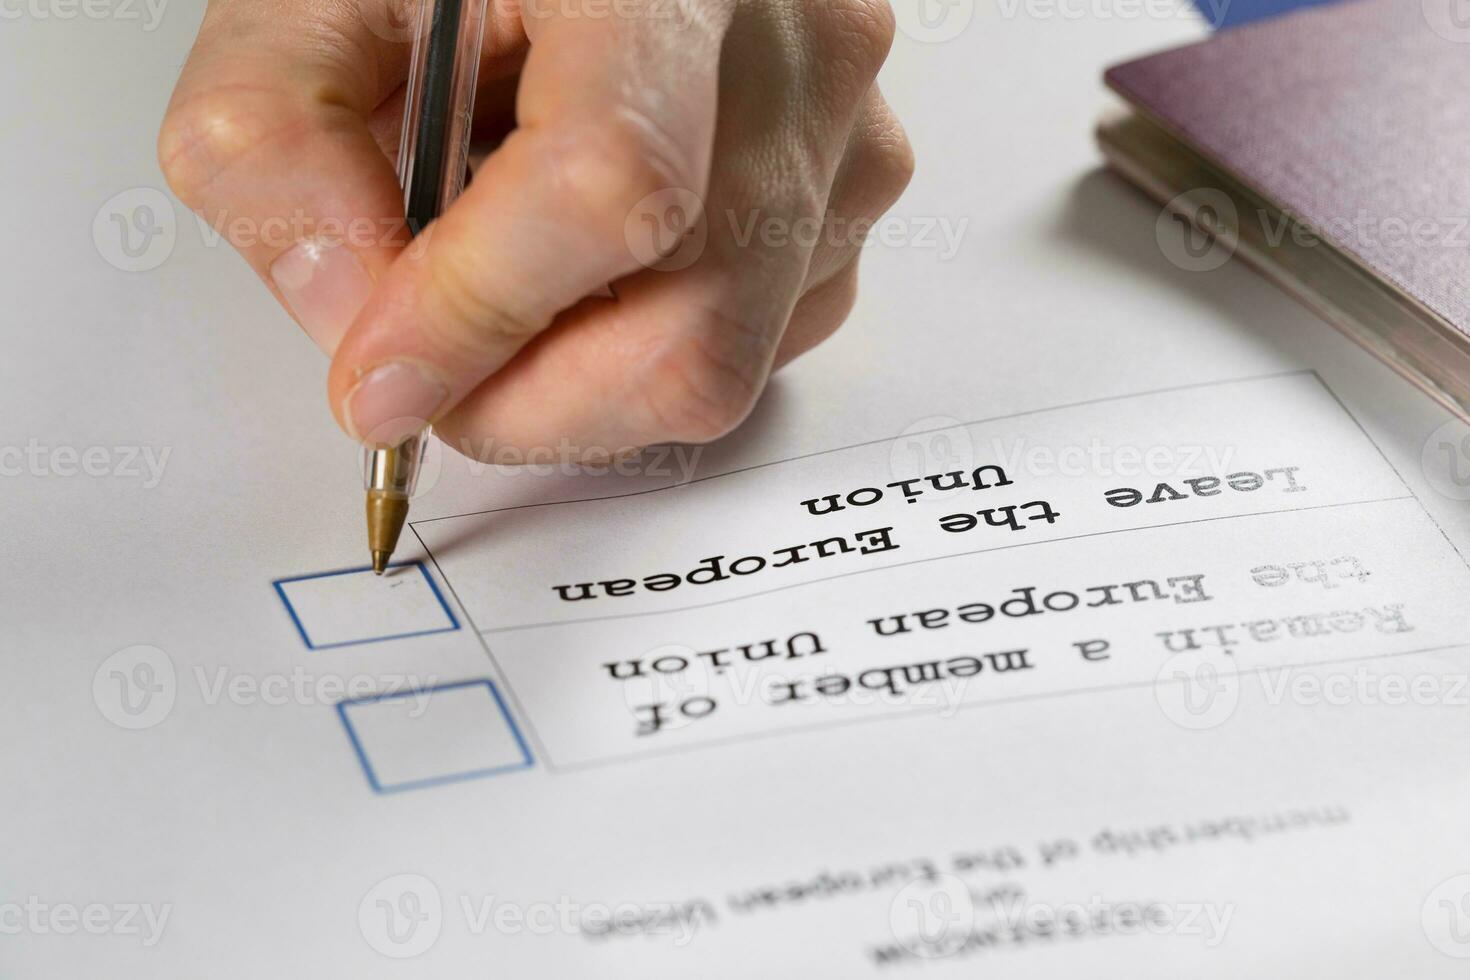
387 512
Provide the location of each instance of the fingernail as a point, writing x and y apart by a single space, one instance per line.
326 285
393 402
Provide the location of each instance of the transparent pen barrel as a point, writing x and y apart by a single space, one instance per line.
433 156
394 470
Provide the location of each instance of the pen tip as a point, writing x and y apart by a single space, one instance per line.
380 562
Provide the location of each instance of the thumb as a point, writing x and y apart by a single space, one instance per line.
542 226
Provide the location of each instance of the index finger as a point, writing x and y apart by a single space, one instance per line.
267 137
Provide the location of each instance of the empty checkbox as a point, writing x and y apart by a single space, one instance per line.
337 609
415 739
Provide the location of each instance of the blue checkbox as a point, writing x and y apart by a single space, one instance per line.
352 605
432 736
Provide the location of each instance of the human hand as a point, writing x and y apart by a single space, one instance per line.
753 127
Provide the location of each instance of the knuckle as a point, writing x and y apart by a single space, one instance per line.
208 133
844 297
861 32
697 392
606 168
894 161
880 158
902 162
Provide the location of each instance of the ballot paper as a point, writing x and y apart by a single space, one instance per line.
1080 609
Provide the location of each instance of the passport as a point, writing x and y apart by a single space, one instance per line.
1330 148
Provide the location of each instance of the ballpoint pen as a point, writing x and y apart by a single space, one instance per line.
433 159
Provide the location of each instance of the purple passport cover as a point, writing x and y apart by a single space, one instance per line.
1354 117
